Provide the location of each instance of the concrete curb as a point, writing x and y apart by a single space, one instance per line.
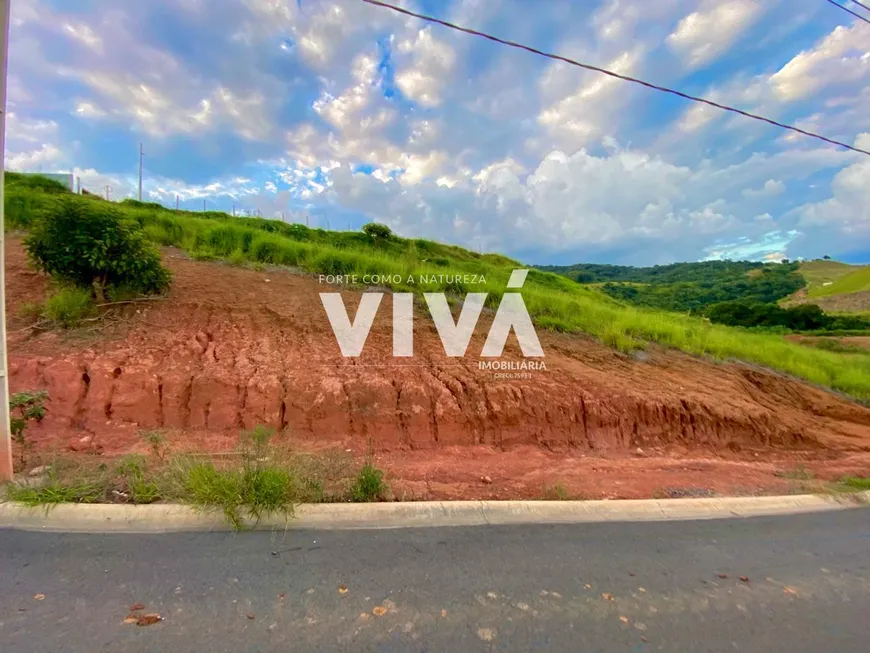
163 518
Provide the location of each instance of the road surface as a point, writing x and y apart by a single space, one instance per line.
591 587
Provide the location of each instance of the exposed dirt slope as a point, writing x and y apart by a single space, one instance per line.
232 348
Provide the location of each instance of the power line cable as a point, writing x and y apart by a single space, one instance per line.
855 14
610 73
860 4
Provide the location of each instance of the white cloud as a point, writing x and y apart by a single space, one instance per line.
85 35
584 110
703 35
24 130
32 145
426 75
87 109
846 213
771 188
842 57
479 144
45 158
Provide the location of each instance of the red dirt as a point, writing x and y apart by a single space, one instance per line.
232 348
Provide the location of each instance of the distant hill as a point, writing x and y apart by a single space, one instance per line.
683 287
835 287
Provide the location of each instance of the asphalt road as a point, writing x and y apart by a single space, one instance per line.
591 587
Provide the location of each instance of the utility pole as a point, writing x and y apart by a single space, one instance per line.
234 209
108 190
5 429
306 220
78 185
141 154
203 205
176 202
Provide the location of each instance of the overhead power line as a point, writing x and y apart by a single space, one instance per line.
610 73
860 4
855 14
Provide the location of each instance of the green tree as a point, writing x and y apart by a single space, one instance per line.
377 231
90 244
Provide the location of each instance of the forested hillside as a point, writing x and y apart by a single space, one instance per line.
683 287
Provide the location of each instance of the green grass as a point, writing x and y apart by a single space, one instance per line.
55 492
859 483
69 307
857 280
820 271
369 484
554 302
259 478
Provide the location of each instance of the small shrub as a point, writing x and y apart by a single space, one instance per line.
369 484
157 442
91 245
377 231
25 407
68 307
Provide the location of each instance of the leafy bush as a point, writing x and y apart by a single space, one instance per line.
68 307
377 231
90 244
154 206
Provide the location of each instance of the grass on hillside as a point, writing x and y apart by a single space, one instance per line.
821 271
555 302
856 280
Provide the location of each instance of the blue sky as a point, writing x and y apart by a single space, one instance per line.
336 111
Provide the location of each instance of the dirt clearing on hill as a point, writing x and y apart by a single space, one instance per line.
231 348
